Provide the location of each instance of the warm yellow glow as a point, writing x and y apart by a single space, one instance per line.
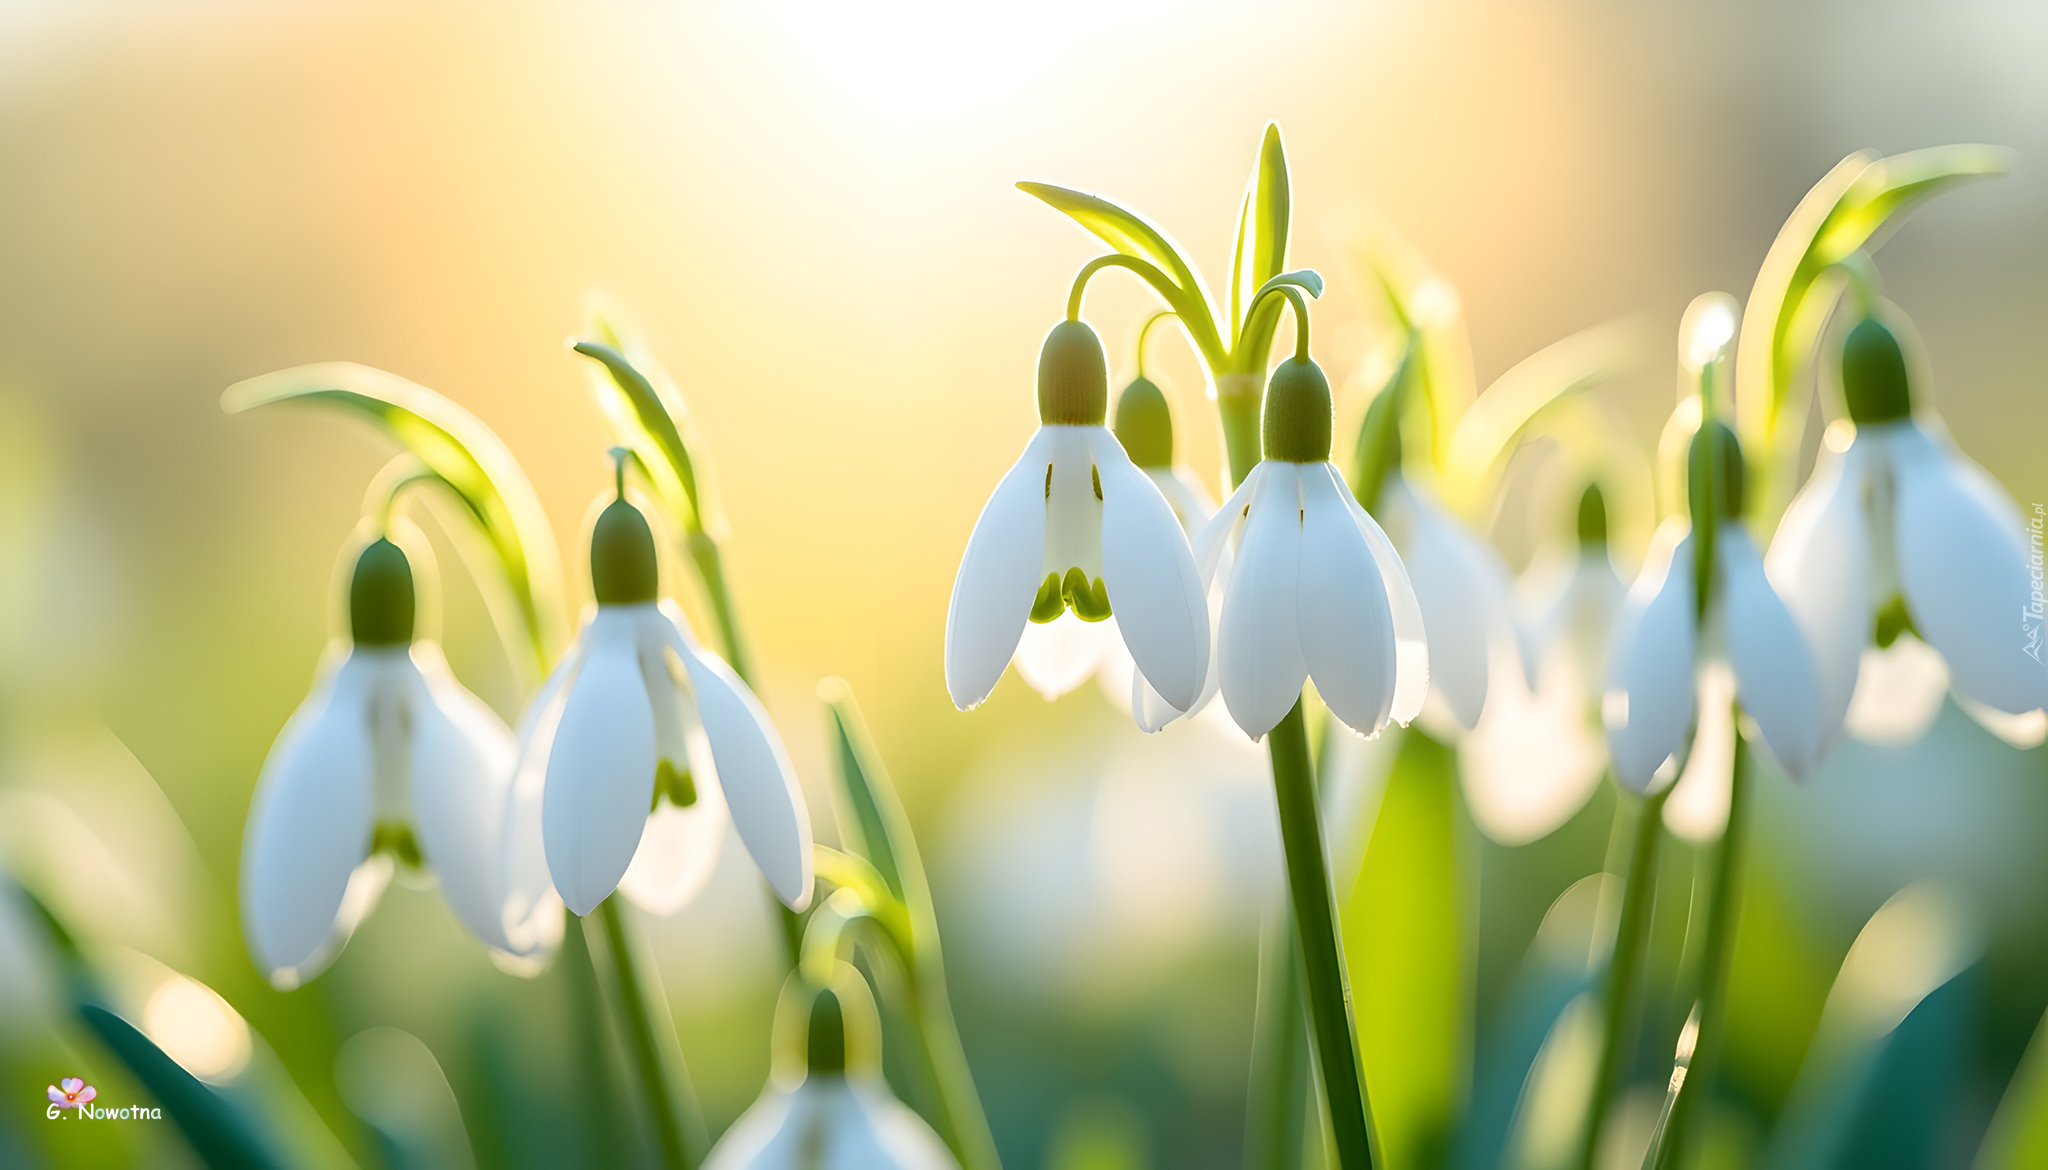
1708 329
197 1028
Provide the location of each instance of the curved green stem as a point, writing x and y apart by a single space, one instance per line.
1145 331
1696 1078
649 1039
1300 304
1321 953
1624 967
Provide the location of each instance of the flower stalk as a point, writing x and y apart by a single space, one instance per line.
1620 995
649 1038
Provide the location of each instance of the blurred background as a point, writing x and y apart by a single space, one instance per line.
809 210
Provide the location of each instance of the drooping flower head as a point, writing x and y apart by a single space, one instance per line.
826 1106
1899 543
1076 528
641 745
1317 590
389 760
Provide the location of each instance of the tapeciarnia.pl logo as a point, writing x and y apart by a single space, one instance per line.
74 1094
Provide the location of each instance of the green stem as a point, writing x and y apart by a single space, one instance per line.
1237 400
1624 966
1715 956
943 1063
1274 1126
1321 953
649 1039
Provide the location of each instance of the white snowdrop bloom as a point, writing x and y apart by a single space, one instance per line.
1076 527
1537 752
389 758
1317 590
826 1106
1899 539
1793 685
640 745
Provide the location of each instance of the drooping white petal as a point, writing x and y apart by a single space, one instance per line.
999 577
1964 566
1465 596
1347 629
462 760
1055 657
532 915
1535 757
1820 564
1698 808
1411 639
2025 731
1571 606
1776 676
600 767
680 847
760 786
1149 572
829 1123
1262 668
309 829
1212 543
1647 705
1899 692
1189 500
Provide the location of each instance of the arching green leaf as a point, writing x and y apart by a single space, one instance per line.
1261 227
1130 234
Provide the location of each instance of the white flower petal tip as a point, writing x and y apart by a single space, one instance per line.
1466 602
600 769
2025 731
305 882
999 577
1262 669
1648 703
1534 759
1776 676
1412 661
1149 573
1053 658
1346 623
1820 563
1899 693
754 774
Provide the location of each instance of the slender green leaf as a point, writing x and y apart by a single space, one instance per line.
1261 227
1130 234
649 415
221 1133
463 454
2018 1137
1423 305
1409 959
1888 190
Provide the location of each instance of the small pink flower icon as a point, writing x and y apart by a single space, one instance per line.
74 1093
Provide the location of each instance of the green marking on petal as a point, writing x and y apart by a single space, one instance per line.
1088 599
396 839
1892 620
674 783
1050 603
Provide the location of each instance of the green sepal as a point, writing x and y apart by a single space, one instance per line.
1050 603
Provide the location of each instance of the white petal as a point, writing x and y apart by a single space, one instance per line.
1262 668
1698 808
1964 563
999 577
462 760
1648 702
754 771
532 913
1411 638
1213 542
1465 597
1899 692
1055 657
1190 501
1776 676
1347 630
1535 757
2025 731
1820 563
309 829
1149 573
678 852
600 768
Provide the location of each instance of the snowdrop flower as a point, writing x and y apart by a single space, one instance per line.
1899 539
1668 631
1317 590
640 745
388 759
1075 528
1537 753
826 1106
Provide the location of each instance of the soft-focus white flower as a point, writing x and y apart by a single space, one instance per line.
1467 601
1537 752
1317 590
1895 524
826 1106
638 747
389 756
1076 527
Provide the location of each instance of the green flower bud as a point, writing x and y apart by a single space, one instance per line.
1144 424
1073 377
380 597
1714 446
1592 516
1874 383
1298 414
623 570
